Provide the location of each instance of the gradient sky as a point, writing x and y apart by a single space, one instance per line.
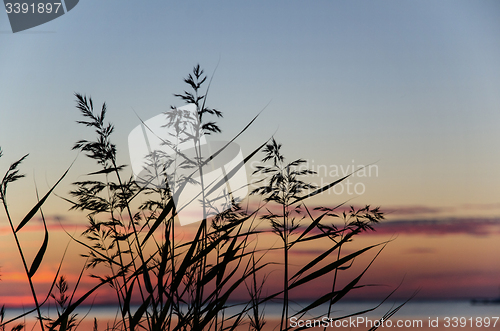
410 86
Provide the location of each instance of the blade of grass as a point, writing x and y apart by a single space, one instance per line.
138 314
337 295
33 211
72 307
322 256
41 252
168 208
331 266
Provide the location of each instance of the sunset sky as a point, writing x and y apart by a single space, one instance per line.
409 87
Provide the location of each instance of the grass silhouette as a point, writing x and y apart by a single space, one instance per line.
191 285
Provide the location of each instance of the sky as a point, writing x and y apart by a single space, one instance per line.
410 87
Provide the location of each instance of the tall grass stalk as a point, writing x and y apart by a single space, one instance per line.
190 284
284 186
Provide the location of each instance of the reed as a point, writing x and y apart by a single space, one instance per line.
190 285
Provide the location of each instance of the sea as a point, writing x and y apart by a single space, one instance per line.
413 315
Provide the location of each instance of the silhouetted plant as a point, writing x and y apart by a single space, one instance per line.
62 301
11 176
283 187
188 285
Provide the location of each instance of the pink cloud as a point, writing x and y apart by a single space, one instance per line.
467 226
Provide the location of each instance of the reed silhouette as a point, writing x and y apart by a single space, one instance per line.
192 284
